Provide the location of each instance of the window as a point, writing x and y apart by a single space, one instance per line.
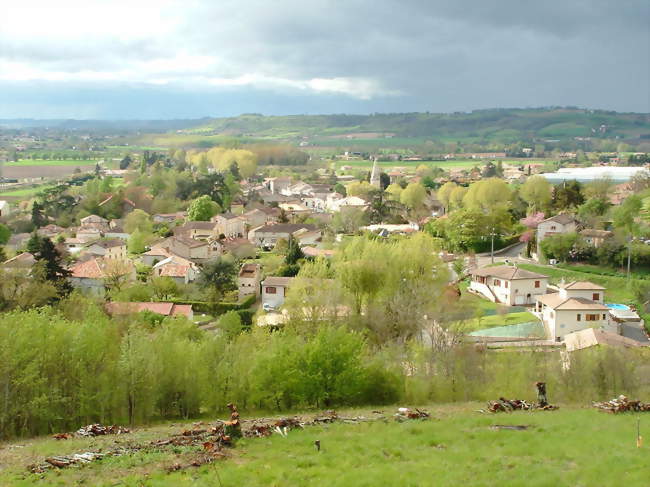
505 283
578 317
595 296
271 290
536 283
553 227
591 317
497 282
604 316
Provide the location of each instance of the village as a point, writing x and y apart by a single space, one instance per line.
269 218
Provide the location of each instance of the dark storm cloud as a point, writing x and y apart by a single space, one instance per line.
437 55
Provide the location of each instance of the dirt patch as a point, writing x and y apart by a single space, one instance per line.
22 172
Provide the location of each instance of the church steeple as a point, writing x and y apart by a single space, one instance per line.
375 180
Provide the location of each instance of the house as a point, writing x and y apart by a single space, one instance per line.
508 284
189 248
94 220
276 185
268 235
594 237
74 245
577 306
180 270
5 208
274 291
22 262
155 255
169 217
111 249
17 241
248 280
590 337
196 230
50 231
88 276
314 252
257 217
116 230
336 205
89 234
229 225
556 225
308 237
165 309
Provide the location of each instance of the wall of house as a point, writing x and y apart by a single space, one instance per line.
276 300
518 292
90 286
248 286
563 322
587 294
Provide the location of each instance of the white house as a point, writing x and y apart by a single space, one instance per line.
556 225
112 249
578 305
5 208
508 284
229 225
274 291
248 280
268 235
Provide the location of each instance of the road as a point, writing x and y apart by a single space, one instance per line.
511 254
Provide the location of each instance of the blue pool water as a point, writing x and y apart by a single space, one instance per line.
616 306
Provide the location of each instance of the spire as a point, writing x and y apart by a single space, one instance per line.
374 175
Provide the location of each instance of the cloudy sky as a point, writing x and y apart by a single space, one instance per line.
195 58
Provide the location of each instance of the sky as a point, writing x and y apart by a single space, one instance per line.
163 59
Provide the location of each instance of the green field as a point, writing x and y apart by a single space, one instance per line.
50 162
452 164
456 446
24 192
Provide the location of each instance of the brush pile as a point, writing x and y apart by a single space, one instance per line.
622 404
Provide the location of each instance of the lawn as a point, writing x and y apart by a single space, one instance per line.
23 192
50 162
499 320
457 446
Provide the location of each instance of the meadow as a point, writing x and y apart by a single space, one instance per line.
50 162
457 446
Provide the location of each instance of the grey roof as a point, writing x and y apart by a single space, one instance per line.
277 281
562 218
285 227
110 243
507 272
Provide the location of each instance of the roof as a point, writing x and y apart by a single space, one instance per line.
249 270
124 200
555 301
89 269
284 227
227 216
277 281
21 260
196 226
562 218
507 272
165 309
590 337
314 252
110 243
591 232
93 219
582 286
190 242
172 269
158 251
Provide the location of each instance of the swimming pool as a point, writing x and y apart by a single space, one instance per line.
616 306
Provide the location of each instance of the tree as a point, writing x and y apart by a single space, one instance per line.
294 252
230 324
625 219
599 189
138 220
38 215
361 189
340 189
126 161
218 274
202 209
5 234
50 260
487 193
558 246
444 194
537 192
394 190
163 288
136 242
413 196
567 195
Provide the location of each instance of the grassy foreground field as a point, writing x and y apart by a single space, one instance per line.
457 446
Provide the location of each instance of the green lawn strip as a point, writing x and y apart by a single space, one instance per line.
499 320
51 162
457 446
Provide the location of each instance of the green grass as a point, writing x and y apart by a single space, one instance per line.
23 192
617 288
457 446
50 162
499 320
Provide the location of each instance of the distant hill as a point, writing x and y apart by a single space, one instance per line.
503 125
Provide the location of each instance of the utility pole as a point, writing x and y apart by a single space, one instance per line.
492 247
629 255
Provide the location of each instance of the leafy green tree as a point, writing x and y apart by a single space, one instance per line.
558 246
126 162
138 220
567 195
51 266
625 219
230 324
537 192
340 189
136 242
38 215
5 234
202 209
413 196
218 274
294 252
164 288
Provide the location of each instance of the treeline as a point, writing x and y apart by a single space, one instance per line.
63 368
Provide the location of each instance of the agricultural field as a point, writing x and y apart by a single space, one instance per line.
45 169
23 192
457 445
51 162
